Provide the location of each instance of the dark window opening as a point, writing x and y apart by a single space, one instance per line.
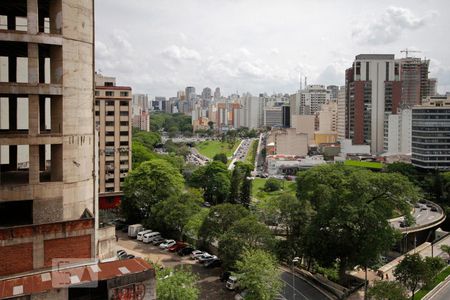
15 213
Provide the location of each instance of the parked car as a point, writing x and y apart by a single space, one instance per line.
196 253
167 244
158 240
134 229
205 257
214 263
121 253
130 256
433 208
149 237
177 246
206 204
141 234
225 275
232 283
185 251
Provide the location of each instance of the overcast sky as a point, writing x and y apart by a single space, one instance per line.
161 46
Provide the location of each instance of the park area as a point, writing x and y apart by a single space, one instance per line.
211 148
259 193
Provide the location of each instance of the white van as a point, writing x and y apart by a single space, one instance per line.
141 234
134 229
149 237
232 283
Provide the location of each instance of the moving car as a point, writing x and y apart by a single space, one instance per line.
167 244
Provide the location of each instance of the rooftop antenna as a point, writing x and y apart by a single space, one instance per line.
300 79
306 82
406 51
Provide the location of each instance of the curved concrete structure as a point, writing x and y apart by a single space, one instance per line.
425 218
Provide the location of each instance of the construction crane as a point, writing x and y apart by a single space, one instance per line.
406 51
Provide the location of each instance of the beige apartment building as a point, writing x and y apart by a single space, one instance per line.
113 111
50 241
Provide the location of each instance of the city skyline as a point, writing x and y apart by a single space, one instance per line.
240 46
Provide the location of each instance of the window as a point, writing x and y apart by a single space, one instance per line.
109 93
109 144
110 113
124 113
109 83
97 93
122 133
97 102
123 94
97 113
124 103
387 71
123 123
124 143
109 123
109 133
110 103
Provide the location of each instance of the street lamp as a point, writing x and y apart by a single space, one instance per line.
295 260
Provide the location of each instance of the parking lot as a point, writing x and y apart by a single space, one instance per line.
210 285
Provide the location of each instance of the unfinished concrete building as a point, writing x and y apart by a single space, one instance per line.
47 173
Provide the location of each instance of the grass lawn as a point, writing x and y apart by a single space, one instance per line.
258 185
211 148
439 278
364 164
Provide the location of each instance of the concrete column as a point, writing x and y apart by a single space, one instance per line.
12 112
33 63
11 22
33 115
38 251
34 164
56 163
56 114
12 68
41 157
32 16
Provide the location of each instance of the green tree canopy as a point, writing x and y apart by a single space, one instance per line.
222 157
258 273
214 179
151 182
392 290
176 284
146 138
272 185
352 207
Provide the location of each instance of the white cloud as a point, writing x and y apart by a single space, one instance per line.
389 27
180 54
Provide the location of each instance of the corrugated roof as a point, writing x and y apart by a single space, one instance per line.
63 278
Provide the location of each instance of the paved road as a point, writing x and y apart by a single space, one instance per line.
443 293
422 215
303 290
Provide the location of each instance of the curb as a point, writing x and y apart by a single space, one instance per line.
436 289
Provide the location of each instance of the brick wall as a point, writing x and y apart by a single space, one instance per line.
16 259
73 247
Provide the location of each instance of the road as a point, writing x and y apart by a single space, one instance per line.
303 290
443 293
423 215
241 152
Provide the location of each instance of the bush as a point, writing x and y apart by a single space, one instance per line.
272 185
221 157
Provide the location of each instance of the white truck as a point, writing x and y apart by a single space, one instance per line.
134 229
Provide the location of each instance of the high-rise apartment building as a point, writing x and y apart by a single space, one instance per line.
328 117
373 87
273 116
217 94
48 205
113 122
312 98
430 133
140 112
252 111
334 90
341 113
397 137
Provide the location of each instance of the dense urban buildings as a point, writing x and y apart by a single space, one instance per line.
48 203
113 123
140 112
431 133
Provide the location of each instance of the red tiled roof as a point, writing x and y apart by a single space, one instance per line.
63 278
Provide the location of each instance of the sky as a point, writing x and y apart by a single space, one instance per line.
161 46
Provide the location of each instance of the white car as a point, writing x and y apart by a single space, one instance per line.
167 244
196 253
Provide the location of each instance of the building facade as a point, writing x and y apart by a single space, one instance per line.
397 138
373 87
340 123
140 112
48 205
113 123
431 133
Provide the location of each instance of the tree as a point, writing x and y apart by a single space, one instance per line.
246 190
195 222
151 182
222 157
214 179
140 153
174 212
148 139
235 184
352 207
272 185
413 271
446 249
220 218
246 233
258 273
391 290
176 284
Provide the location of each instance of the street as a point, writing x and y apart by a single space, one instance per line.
302 291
